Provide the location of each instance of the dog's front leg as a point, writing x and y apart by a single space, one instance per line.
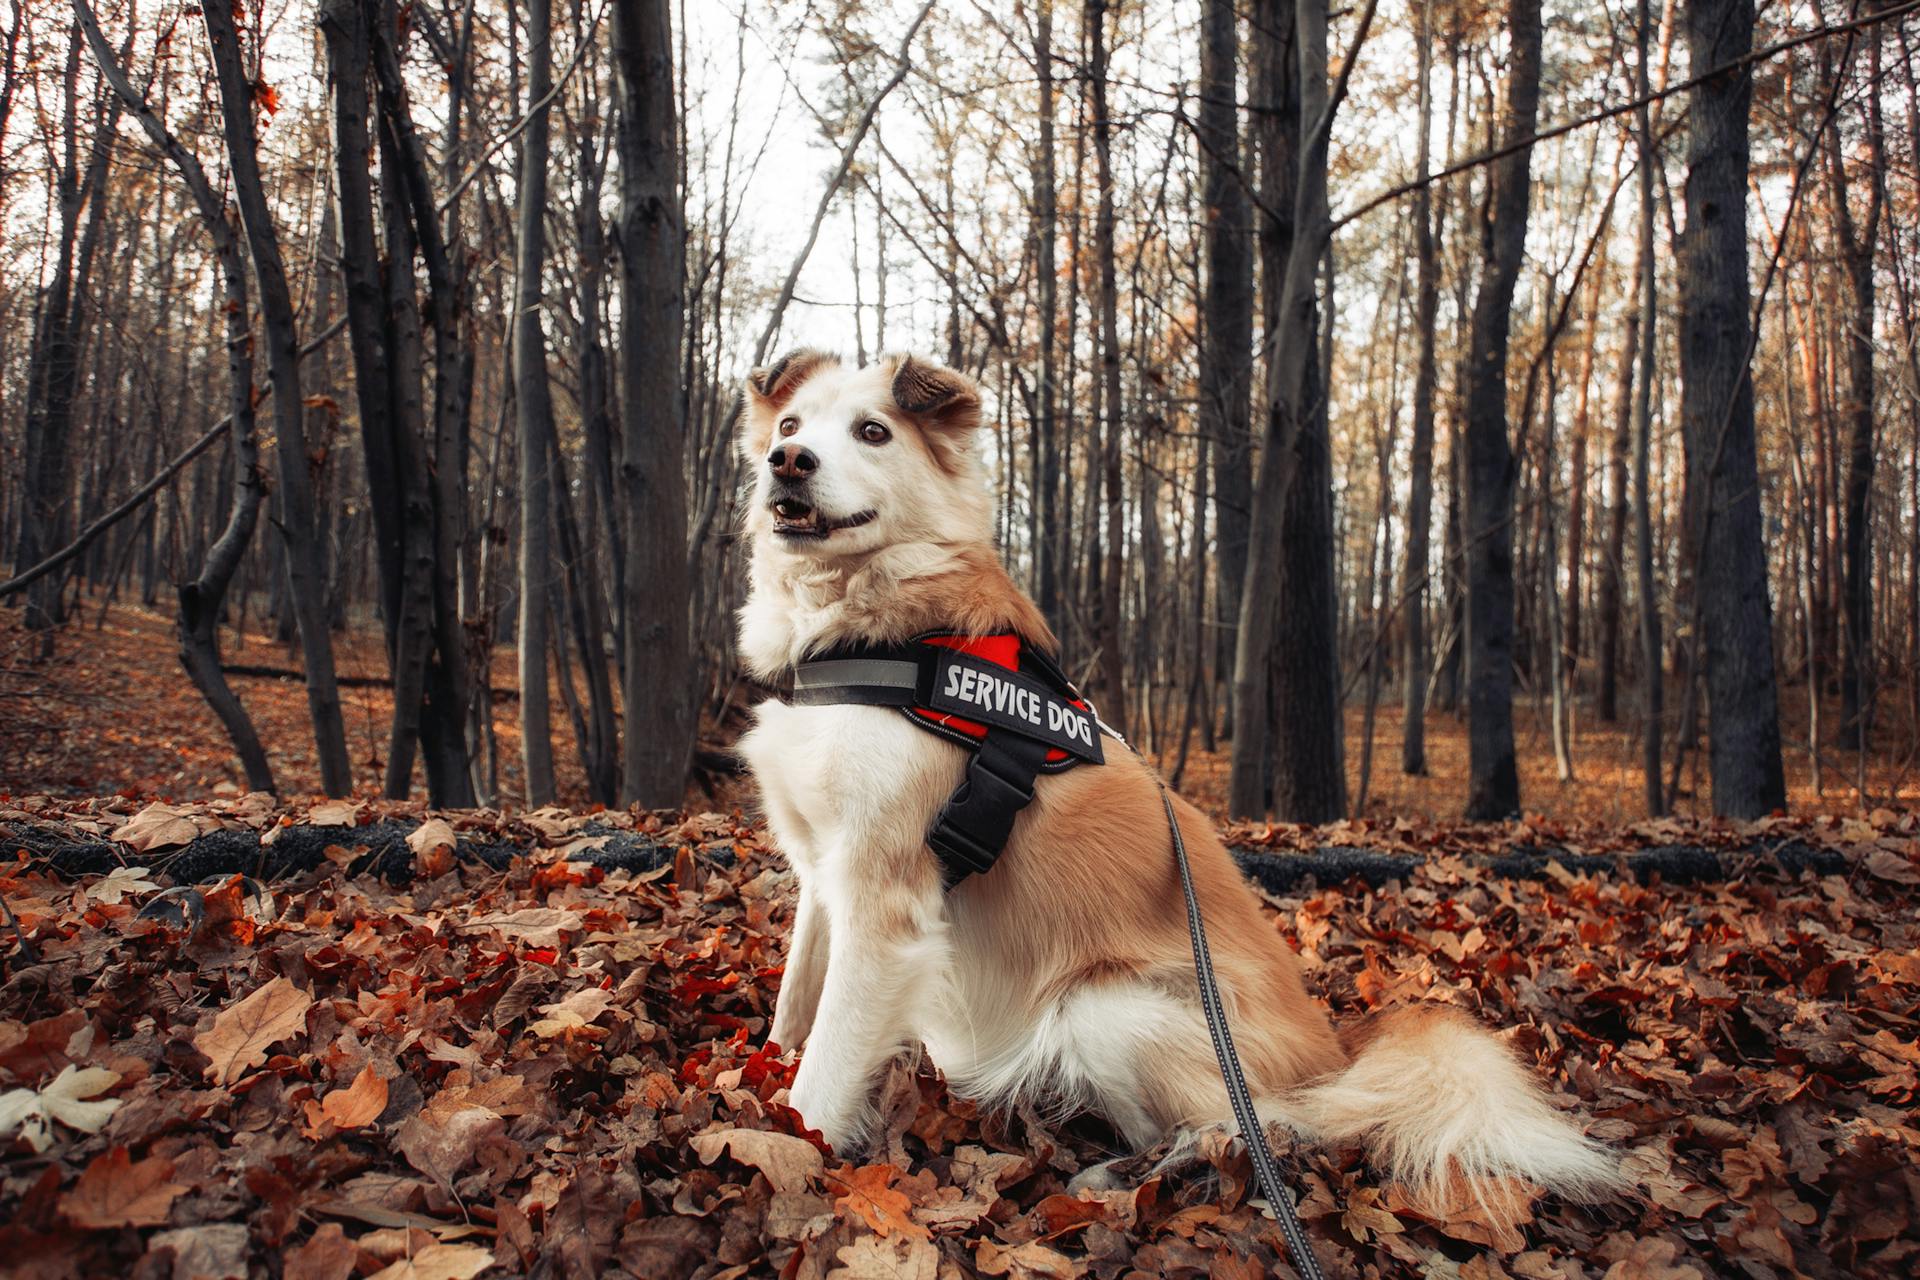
886 949
806 973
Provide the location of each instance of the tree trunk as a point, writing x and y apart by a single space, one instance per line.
299 532
533 401
1652 670
1735 611
1048 498
1112 664
1226 359
1494 783
656 673
1857 243
1414 659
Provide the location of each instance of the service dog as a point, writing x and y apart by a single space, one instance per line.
1064 977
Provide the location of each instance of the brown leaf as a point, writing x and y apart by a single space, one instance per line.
114 1191
439 1262
441 1139
240 1035
787 1161
216 1251
868 1193
328 1255
360 1103
158 826
875 1258
1030 1261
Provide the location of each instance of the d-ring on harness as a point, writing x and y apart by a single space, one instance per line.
1014 708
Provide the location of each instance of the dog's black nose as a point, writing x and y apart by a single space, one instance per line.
791 462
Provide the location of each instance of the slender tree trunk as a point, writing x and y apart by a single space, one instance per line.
1652 673
1226 359
299 531
1414 660
533 400
1112 660
1736 612
1494 784
1857 246
656 674
1049 495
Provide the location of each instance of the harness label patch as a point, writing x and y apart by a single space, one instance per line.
991 694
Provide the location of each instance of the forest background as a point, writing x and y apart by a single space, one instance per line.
1425 407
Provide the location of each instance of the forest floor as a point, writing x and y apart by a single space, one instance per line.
505 1059
499 1042
113 712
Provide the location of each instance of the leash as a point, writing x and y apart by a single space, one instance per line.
1266 1169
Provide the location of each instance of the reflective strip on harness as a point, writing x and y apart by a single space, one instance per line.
999 698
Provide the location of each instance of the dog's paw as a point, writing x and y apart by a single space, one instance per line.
845 1122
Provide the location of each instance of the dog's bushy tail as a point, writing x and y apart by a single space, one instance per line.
1436 1100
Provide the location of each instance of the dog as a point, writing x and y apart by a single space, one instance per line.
1063 978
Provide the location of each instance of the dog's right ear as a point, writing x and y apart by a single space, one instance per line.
774 385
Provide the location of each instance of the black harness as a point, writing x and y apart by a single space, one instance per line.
1005 701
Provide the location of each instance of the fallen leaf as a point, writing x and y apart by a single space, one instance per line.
360 1103
439 1262
115 1191
158 826
875 1258
64 1099
240 1035
120 882
215 1251
868 1192
328 1255
787 1161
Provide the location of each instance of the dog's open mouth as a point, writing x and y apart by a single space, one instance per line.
793 518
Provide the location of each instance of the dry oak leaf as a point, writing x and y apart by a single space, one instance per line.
901 1258
1652 1259
238 1039
439 1262
788 1162
329 1255
158 826
1891 866
440 1140
1030 1261
536 926
334 813
215 1251
360 1103
115 1191
434 833
64 1099
869 1194
573 1013
120 882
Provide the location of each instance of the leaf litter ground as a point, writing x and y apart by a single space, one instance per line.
527 1064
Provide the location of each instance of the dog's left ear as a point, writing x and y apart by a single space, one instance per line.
946 403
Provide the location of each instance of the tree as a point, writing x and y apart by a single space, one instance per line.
1717 411
657 667
298 528
1226 317
1107 301
533 405
1414 657
1493 787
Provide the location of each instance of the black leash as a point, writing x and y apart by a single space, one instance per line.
1266 1169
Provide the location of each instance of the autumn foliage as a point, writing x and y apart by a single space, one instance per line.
556 1069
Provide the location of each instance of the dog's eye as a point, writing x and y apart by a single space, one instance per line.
789 425
874 432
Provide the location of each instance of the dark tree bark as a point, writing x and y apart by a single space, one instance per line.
299 532
1049 542
656 668
1857 242
203 599
1112 659
533 403
1736 612
1414 659
1606 696
1226 360
1494 782
1653 676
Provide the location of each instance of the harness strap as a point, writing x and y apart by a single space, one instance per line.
1266 1168
977 820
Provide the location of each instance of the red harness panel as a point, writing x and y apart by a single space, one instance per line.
1001 650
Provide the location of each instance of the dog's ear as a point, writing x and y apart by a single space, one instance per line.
945 403
774 385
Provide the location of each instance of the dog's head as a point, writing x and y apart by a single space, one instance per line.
847 461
